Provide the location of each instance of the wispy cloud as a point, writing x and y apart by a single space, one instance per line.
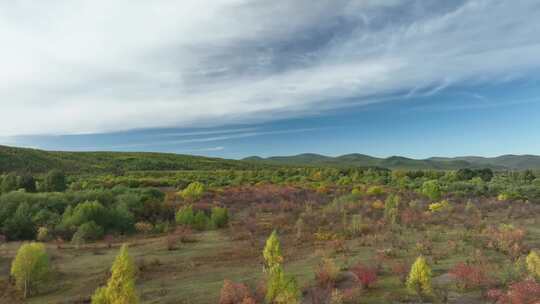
145 143
68 68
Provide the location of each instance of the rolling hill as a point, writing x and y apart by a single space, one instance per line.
38 161
505 162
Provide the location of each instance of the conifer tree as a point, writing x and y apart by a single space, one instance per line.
391 210
419 279
120 288
272 252
281 288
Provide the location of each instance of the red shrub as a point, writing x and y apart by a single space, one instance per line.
234 293
469 276
366 276
524 292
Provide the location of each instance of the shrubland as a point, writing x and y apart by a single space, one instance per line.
281 235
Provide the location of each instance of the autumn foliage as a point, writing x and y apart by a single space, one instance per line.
235 293
367 276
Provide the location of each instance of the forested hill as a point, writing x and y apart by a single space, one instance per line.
505 162
38 161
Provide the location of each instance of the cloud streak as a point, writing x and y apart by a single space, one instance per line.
69 68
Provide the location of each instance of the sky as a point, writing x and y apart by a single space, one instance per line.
235 78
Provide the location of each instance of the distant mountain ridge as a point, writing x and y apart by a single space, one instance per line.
503 162
39 161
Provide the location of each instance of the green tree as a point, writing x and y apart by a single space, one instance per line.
20 224
9 183
120 287
89 231
30 268
419 279
432 189
26 182
55 181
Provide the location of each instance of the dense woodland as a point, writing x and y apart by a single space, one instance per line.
267 234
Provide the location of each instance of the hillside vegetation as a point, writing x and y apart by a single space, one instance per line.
39 161
504 162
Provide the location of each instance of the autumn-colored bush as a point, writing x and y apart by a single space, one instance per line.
235 293
507 239
469 276
326 273
143 227
523 292
366 276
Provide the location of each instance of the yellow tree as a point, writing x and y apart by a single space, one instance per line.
281 288
419 279
533 264
272 252
30 267
120 288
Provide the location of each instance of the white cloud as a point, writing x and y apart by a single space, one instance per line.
96 66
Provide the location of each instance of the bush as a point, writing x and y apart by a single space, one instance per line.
200 221
469 276
30 268
524 292
9 183
89 231
43 234
326 273
431 189
442 206
193 191
234 293
144 227
185 215
375 191
366 276
219 217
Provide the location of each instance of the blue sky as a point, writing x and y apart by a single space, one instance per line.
234 78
